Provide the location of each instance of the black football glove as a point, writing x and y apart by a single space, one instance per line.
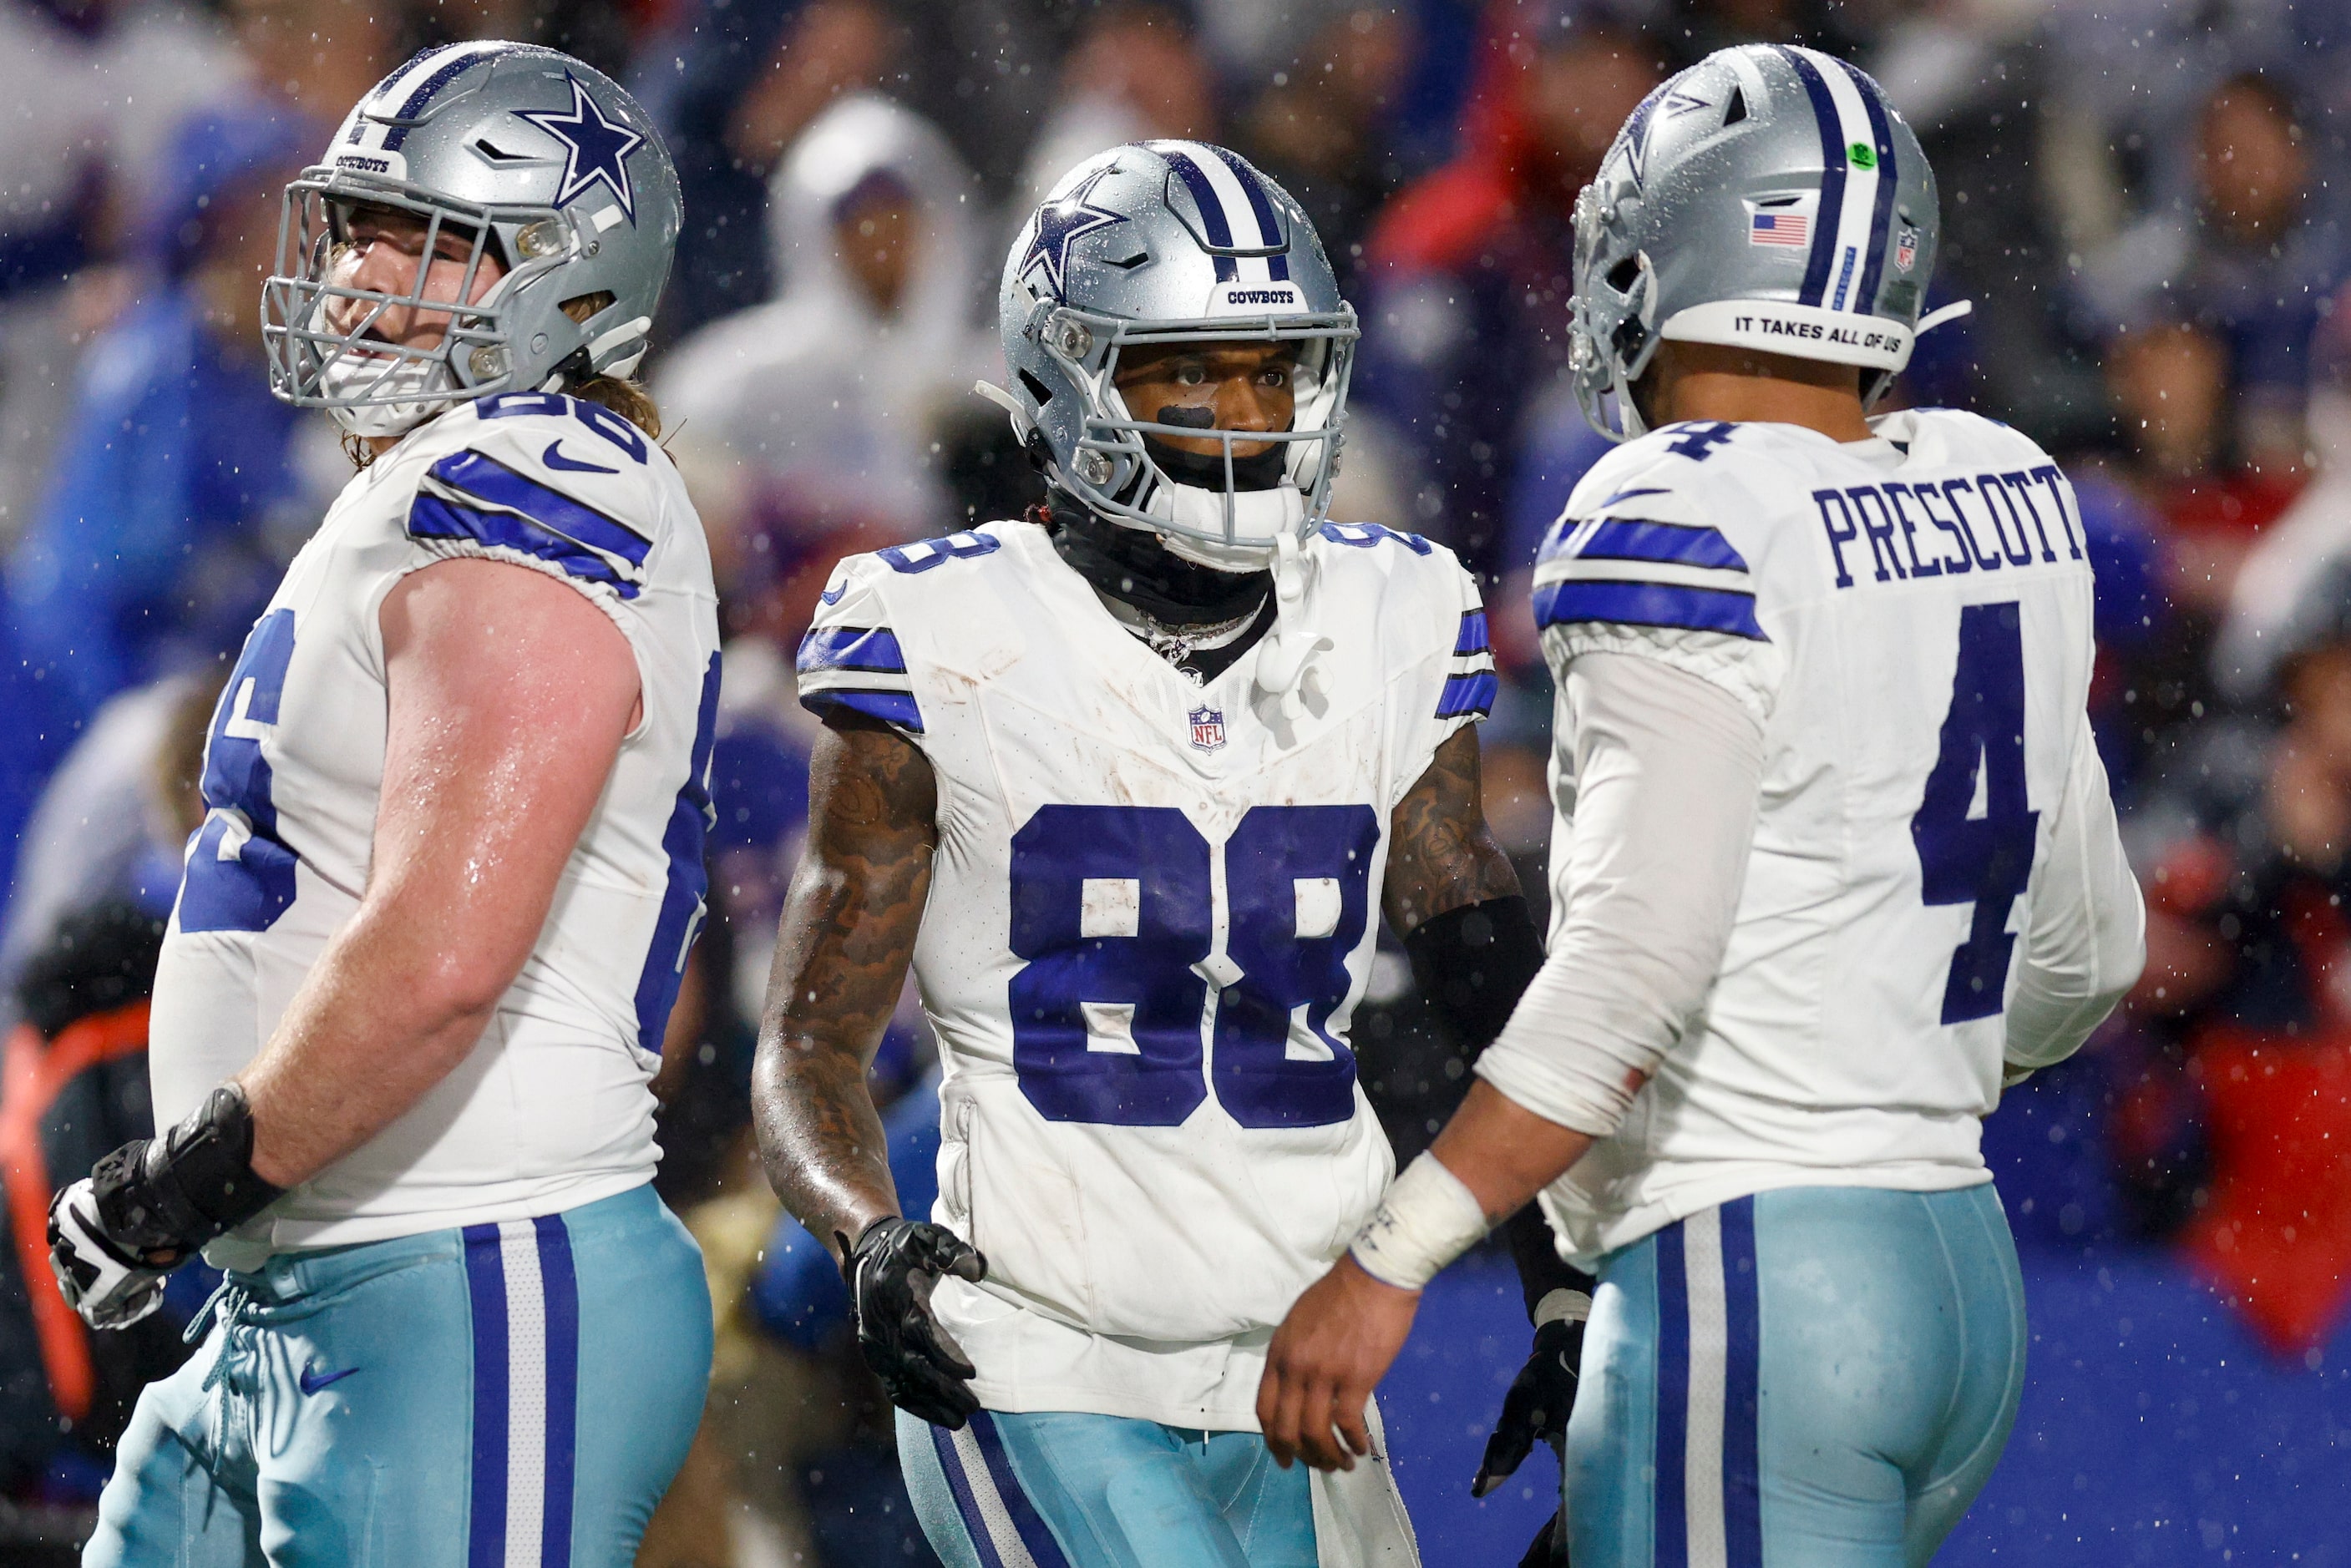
891 1271
150 1205
1536 1408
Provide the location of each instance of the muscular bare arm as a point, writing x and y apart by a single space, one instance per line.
1440 853
508 695
847 937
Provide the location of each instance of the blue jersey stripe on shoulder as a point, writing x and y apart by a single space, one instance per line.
1467 694
873 650
488 479
432 517
1649 604
897 708
1677 544
1472 638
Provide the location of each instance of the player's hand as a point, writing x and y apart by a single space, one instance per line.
891 1272
1536 1408
107 1281
1327 1357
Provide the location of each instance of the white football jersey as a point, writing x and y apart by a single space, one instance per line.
1152 913
553 1108
1909 619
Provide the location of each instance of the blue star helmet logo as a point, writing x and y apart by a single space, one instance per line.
1634 137
594 147
1059 222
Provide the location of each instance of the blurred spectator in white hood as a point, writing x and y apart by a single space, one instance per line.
811 418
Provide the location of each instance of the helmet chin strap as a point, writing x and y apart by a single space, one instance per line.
1279 513
419 388
1290 668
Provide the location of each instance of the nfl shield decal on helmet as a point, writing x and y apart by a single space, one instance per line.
1906 250
1208 727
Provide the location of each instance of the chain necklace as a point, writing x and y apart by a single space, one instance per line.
1175 644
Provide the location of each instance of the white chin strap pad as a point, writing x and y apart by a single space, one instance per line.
1196 522
419 388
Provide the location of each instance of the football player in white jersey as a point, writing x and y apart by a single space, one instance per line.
412 993
1129 784
1835 854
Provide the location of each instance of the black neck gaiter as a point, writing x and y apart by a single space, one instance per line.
1132 565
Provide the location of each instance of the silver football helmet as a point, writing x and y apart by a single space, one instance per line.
530 158
1769 197
1168 241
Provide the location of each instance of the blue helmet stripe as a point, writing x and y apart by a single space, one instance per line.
361 121
1268 227
1880 216
1212 211
1831 202
467 55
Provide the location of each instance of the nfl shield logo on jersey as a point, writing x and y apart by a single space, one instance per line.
1906 250
1207 728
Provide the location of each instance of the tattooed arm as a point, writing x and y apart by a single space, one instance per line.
847 937
1440 854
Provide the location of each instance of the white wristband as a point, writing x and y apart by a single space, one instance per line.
1426 1219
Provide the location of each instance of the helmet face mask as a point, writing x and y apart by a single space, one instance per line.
1767 198
1135 250
485 142
1114 470
313 363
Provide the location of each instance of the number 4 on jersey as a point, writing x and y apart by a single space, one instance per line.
1981 860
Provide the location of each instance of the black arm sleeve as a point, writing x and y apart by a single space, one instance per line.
1471 963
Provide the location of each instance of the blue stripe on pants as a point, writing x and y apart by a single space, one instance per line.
486 1282
1742 1496
1047 1489
562 1288
405 1403
974 1523
536 1426
1032 1528
1673 1400
1893 1354
1708 1374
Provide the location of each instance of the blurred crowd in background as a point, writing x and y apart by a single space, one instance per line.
2145 199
